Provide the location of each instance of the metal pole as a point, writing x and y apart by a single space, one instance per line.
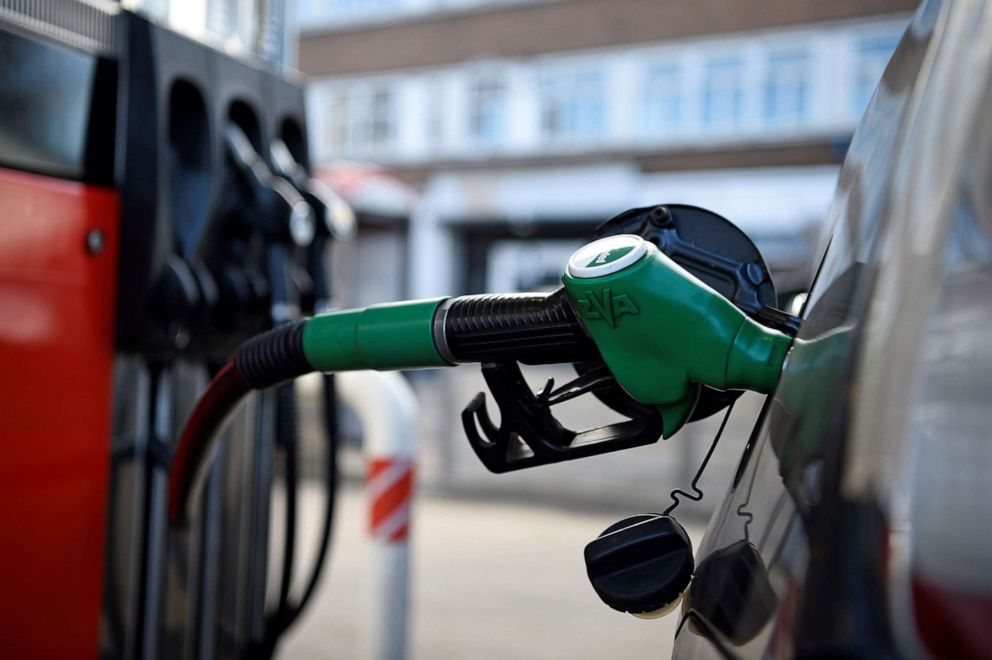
387 407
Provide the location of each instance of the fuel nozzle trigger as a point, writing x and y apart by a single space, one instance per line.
528 434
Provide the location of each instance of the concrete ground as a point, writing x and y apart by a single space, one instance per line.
491 579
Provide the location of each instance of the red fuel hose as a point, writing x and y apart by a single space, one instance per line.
200 437
271 358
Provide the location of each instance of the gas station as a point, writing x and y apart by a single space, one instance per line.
203 317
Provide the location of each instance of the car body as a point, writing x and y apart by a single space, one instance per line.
857 523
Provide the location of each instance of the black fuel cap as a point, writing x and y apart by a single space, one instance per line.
641 565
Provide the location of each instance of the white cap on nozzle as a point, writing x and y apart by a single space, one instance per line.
606 256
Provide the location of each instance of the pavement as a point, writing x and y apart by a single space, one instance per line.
490 579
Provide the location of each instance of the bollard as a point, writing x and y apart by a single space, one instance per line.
387 408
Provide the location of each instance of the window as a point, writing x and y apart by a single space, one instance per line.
435 104
787 88
723 92
336 126
872 56
372 118
572 105
334 10
487 109
358 118
222 18
662 110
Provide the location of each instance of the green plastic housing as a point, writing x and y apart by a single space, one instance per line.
661 331
389 336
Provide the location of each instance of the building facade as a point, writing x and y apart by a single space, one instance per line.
253 29
526 122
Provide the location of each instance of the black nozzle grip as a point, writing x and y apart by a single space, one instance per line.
532 328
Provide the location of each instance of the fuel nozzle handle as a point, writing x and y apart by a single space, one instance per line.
659 330
333 216
279 209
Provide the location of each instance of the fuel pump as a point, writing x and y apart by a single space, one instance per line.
297 218
278 212
648 335
333 219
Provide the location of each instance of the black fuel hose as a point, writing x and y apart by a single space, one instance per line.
529 328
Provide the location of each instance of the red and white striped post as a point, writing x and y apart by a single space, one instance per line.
389 483
387 408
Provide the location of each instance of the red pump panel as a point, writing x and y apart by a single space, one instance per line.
56 358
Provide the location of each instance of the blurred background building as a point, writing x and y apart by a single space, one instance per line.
524 123
514 127
256 29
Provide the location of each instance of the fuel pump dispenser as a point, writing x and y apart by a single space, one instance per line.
153 224
650 337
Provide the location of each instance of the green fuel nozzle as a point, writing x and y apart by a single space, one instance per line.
661 330
628 315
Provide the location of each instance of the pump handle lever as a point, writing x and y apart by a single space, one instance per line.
280 209
528 433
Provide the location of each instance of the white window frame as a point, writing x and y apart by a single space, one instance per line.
335 113
662 123
362 122
788 77
564 83
498 108
334 12
731 84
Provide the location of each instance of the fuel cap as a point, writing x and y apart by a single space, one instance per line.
606 256
641 565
